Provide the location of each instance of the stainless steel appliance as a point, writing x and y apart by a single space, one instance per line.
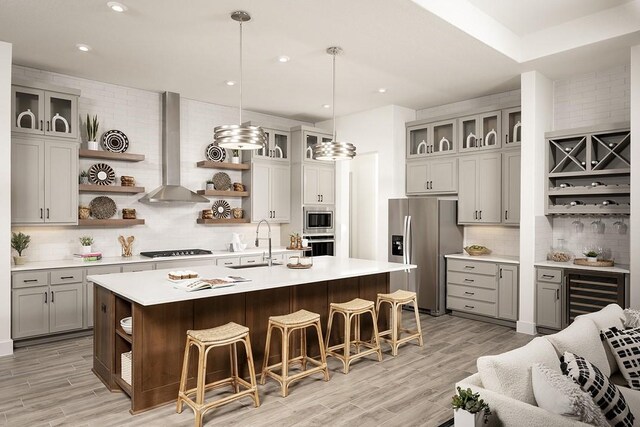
321 245
422 231
175 252
318 220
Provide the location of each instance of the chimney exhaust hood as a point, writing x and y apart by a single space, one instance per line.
171 191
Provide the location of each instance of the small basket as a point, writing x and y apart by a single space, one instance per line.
477 252
84 212
125 364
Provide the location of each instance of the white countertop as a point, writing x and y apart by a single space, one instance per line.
618 268
502 259
153 287
78 262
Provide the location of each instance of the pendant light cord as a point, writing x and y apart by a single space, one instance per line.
334 96
240 73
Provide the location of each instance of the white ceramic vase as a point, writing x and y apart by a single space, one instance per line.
592 258
209 186
464 418
93 145
235 160
86 250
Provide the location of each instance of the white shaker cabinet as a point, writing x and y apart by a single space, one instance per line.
432 176
270 191
318 185
511 187
480 189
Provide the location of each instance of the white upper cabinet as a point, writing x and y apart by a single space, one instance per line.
512 126
270 191
310 139
318 185
278 146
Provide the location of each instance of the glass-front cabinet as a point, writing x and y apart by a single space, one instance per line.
431 139
310 139
36 110
480 132
278 145
512 126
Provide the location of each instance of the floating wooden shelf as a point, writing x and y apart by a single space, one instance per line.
225 221
219 193
109 222
108 155
222 165
91 188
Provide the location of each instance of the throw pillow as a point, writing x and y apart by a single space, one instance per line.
625 346
631 318
604 393
559 394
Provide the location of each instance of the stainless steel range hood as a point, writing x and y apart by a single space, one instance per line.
171 191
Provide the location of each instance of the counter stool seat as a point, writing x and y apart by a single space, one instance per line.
205 340
352 310
286 324
396 300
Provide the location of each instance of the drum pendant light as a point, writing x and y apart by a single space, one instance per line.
240 137
334 150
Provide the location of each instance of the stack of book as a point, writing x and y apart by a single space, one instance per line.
93 256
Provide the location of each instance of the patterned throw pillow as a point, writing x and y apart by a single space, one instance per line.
631 318
625 346
604 393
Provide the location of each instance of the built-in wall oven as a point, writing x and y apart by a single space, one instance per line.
321 244
318 220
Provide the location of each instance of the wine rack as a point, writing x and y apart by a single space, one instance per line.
588 171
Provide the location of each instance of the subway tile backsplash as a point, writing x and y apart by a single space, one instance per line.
501 240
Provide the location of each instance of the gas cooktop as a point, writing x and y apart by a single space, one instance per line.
176 252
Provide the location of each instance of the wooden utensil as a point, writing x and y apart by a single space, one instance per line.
127 245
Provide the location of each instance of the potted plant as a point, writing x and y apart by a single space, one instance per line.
592 256
86 242
84 177
468 409
235 156
92 132
210 185
20 242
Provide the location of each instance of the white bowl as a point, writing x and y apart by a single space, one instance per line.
128 329
126 320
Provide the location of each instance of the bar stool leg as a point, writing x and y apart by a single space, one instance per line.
303 347
419 327
183 377
394 329
234 367
202 371
265 361
285 361
347 342
252 370
375 334
328 340
323 354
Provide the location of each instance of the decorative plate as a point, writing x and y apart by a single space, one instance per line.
221 209
115 141
101 174
221 181
102 207
215 153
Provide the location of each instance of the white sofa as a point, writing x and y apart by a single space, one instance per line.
504 380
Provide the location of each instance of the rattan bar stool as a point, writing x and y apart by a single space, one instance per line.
396 300
300 320
205 340
353 310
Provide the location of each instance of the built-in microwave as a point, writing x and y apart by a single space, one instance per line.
318 219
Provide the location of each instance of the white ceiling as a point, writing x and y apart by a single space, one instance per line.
529 16
191 47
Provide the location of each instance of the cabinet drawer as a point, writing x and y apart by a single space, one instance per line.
278 258
472 266
469 306
226 262
66 275
248 260
477 280
478 294
132 268
550 275
30 279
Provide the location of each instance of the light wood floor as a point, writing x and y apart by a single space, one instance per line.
52 385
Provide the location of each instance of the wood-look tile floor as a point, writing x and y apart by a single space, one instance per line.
52 385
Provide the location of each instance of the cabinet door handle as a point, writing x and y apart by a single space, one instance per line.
103 307
66 277
41 125
48 126
475 214
506 214
41 213
501 273
506 138
557 294
469 267
30 280
480 212
47 213
45 297
469 280
469 293
322 197
469 306
52 296
547 276
431 185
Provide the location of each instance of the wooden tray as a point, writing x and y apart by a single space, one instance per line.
307 248
587 263
299 266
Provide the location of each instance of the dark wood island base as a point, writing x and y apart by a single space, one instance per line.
159 332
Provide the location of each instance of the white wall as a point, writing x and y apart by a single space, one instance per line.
498 100
138 114
6 345
382 131
635 177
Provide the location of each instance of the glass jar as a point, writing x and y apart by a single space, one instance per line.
559 253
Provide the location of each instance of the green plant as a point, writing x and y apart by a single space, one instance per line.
86 240
92 127
20 242
235 153
469 401
84 174
591 254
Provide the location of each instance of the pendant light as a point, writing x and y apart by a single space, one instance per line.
334 150
240 137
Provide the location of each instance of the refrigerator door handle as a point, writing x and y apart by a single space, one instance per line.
405 255
409 232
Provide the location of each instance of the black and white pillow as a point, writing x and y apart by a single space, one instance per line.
604 393
631 318
625 346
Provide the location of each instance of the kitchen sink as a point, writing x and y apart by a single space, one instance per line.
262 264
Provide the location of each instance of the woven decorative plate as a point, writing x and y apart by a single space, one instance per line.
215 153
221 209
115 141
102 207
101 174
221 181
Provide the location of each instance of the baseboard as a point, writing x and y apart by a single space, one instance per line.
6 347
528 328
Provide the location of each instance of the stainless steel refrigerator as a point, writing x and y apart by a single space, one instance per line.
422 231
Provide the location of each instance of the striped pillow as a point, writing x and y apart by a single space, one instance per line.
625 346
604 393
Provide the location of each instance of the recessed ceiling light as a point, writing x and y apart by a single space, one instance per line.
83 47
283 58
326 106
117 7
230 83
382 90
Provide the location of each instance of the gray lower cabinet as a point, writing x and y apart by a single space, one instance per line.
480 189
30 312
549 298
508 292
66 307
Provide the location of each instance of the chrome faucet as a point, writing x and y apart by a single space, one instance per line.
258 238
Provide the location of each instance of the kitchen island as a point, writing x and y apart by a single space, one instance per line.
162 315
